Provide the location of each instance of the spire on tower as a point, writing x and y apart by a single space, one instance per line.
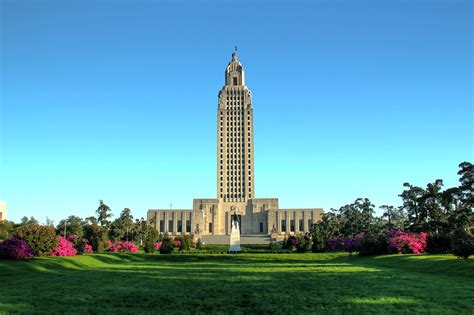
234 54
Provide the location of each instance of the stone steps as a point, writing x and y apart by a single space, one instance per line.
244 239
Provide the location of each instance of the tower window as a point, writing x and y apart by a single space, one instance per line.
235 80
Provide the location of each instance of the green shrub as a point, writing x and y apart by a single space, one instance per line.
463 244
317 237
199 244
149 246
166 245
303 243
42 239
372 244
438 244
96 236
185 242
152 236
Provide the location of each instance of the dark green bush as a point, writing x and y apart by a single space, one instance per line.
463 244
317 238
372 244
149 246
166 245
96 236
438 244
42 239
303 243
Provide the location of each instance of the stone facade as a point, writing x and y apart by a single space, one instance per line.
3 210
235 178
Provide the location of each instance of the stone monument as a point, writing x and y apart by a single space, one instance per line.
235 235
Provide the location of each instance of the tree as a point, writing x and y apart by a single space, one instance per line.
72 225
410 197
103 214
431 208
395 217
356 217
31 220
126 221
7 229
329 224
317 237
96 236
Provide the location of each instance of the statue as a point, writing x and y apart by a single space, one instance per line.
235 235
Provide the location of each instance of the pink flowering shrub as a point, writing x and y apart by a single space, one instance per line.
88 248
406 243
64 248
15 249
123 247
157 245
177 243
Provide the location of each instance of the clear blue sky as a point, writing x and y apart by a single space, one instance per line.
116 100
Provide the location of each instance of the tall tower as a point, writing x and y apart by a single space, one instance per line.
235 168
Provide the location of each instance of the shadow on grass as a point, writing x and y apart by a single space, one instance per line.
139 283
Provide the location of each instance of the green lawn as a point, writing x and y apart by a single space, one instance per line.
242 283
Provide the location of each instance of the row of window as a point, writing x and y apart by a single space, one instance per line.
234 196
179 226
292 225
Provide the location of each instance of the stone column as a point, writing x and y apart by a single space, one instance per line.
297 221
305 221
175 222
279 221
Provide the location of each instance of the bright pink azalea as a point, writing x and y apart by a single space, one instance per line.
124 247
88 249
64 248
157 245
407 243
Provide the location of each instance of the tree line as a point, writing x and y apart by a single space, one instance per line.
444 214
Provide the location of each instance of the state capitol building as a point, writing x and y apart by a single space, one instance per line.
235 178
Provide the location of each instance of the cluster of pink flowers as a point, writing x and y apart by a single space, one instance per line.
123 247
15 249
88 249
64 248
407 243
157 245
177 243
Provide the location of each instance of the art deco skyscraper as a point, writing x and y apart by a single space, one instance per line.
235 168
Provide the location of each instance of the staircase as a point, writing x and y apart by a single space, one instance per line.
244 239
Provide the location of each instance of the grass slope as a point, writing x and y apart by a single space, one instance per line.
245 283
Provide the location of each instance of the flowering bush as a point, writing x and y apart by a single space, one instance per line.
129 247
351 243
15 249
42 239
406 243
334 244
88 248
157 245
178 243
64 248
124 247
